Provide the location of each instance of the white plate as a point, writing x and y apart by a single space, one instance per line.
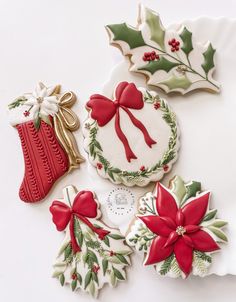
208 132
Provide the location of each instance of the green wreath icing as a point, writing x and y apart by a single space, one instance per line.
117 175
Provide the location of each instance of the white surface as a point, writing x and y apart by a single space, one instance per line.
58 41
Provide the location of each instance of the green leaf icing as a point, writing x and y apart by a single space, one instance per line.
186 37
219 233
210 215
156 29
208 59
191 190
178 187
125 33
175 82
161 64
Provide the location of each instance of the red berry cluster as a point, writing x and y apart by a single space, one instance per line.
165 168
150 56
74 276
95 269
142 168
174 45
112 253
157 105
99 166
26 113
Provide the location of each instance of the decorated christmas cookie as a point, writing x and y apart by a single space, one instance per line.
45 123
92 253
171 59
131 138
176 229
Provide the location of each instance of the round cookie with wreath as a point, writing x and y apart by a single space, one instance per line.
132 138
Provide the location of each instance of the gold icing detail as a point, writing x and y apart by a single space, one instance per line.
65 122
180 230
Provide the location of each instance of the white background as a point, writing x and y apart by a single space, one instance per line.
64 41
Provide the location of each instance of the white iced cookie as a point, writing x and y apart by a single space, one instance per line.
133 138
171 59
92 254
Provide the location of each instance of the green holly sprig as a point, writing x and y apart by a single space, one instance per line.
174 58
96 151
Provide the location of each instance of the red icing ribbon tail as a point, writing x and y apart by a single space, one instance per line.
99 231
75 247
149 141
128 152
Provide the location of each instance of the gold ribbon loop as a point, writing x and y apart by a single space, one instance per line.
66 121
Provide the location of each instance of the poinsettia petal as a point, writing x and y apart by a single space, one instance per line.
192 228
172 238
156 225
61 214
85 204
179 217
195 210
188 240
203 242
165 202
158 252
183 255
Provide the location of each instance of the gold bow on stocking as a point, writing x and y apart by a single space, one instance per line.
66 121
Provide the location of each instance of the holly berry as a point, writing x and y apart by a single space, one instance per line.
26 113
99 166
142 168
174 44
112 253
74 276
95 269
150 56
157 105
165 168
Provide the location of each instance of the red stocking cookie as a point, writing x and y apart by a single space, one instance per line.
176 230
92 253
44 122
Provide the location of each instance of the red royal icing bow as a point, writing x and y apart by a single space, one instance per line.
177 230
104 109
84 207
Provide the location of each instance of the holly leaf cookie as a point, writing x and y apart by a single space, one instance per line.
131 138
92 254
45 124
176 230
171 59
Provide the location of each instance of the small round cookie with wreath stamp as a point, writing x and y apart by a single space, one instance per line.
132 138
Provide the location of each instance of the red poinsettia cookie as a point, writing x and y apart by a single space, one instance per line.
176 229
45 123
131 138
92 253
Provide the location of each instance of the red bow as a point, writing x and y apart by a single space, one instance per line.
127 97
84 207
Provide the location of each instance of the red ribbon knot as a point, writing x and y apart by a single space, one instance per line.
127 96
84 207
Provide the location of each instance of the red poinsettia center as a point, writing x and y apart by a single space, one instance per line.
180 230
